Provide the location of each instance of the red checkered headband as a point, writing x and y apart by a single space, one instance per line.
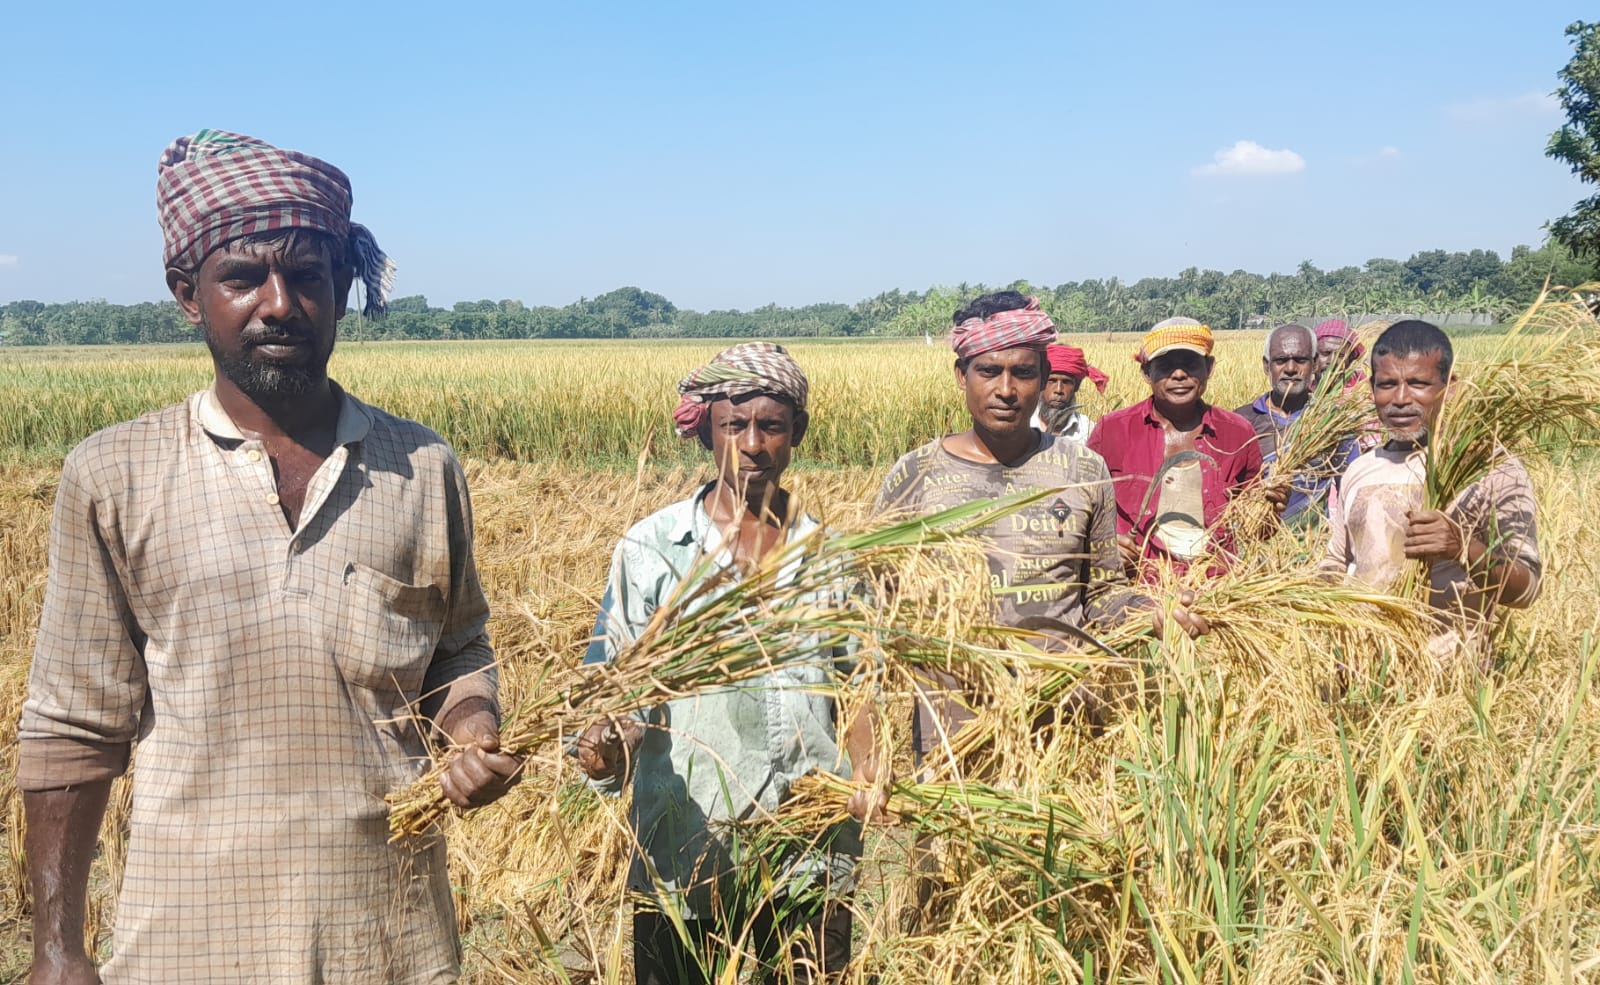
1025 327
216 186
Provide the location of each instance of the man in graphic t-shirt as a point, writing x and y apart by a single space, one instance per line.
1053 562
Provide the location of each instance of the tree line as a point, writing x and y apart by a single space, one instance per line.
1436 282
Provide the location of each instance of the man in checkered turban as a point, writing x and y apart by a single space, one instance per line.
737 372
261 255
214 186
270 586
699 762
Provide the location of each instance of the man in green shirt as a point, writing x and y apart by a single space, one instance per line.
702 761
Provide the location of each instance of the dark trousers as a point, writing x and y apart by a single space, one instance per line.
815 944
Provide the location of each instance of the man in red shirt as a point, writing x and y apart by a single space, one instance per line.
1175 460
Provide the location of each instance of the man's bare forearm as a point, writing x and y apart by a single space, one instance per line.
861 743
1510 580
62 828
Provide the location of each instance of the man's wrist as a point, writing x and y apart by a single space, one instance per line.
471 718
865 772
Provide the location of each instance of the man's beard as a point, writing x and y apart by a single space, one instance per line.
1056 419
267 380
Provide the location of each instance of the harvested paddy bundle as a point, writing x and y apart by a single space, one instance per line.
1283 621
712 632
1311 449
1151 850
1038 830
1540 385
1258 608
547 865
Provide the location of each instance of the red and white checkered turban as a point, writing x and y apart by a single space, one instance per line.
1025 327
216 186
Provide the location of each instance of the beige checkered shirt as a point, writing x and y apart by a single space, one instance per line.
269 676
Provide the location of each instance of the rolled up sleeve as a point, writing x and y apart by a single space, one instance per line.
463 664
87 684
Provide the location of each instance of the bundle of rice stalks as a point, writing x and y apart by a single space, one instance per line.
1257 608
1040 831
1274 621
1314 448
714 631
1541 384
541 873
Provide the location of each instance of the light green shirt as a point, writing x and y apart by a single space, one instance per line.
726 754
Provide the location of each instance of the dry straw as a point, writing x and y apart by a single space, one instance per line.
1297 797
716 630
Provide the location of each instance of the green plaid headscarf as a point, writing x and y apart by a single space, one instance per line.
751 367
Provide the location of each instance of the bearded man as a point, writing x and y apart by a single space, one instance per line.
271 587
1058 411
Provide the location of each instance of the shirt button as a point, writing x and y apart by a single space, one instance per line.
272 499
254 456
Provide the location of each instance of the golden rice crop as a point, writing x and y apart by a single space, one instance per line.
1295 797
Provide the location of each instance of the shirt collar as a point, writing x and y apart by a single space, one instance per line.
1263 405
1206 425
355 421
691 524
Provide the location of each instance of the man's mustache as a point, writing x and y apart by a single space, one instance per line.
274 336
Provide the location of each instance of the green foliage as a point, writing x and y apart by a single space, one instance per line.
1578 141
1432 283
93 323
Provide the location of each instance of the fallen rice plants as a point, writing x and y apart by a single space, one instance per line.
1295 797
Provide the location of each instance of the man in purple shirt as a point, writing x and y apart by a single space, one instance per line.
1290 360
1175 460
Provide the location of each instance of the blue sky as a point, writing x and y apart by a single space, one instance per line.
730 155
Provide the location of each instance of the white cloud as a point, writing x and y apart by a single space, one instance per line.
8 260
1379 156
1487 111
1250 158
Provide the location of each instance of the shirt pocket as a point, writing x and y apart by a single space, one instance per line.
387 631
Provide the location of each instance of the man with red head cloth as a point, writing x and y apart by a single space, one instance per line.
1058 402
270 586
1053 562
1339 352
